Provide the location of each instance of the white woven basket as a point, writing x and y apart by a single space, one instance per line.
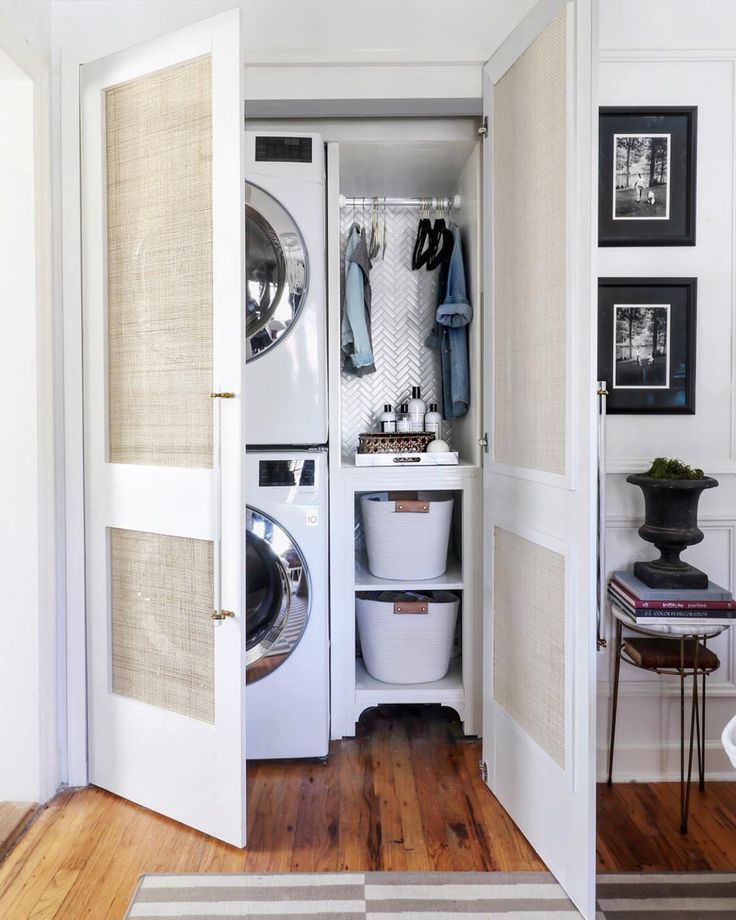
407 539
407 638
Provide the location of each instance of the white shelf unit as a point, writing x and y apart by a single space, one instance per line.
353 689
452 580
448 691
380 169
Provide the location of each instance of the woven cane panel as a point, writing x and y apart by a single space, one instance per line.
529 137
529 638
162 642
403 310
159 288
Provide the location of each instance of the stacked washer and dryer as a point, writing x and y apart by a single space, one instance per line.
287 632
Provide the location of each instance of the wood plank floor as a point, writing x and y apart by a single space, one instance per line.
638 828
405 794
14 816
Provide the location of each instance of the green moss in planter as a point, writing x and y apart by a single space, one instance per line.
663 468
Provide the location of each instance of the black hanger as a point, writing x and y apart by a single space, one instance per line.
440 247
420 256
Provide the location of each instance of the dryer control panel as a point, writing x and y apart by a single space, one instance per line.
281 149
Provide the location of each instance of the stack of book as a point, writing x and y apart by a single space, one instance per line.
711 606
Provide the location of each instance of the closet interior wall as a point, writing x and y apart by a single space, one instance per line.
406 159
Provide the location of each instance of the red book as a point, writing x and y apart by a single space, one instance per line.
638 604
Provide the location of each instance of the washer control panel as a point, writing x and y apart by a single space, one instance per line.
286 473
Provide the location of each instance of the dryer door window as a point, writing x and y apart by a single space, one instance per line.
276 271
277 595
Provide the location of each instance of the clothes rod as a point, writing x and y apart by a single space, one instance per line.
433 204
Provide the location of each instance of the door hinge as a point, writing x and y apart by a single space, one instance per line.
222 395
483 130
483 442
222 614
483 770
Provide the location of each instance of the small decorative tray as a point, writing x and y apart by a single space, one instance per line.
441 458
389 442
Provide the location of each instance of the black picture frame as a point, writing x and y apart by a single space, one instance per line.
653 370
666 213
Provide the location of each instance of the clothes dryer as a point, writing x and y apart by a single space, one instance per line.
286 314
287 645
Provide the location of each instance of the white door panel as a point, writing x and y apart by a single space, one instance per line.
162 274
539 482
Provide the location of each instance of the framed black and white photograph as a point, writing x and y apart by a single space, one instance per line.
646 183
646 344
642 357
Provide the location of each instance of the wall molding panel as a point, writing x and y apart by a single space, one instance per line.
648 733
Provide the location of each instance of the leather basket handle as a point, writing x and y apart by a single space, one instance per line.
411 607
411 507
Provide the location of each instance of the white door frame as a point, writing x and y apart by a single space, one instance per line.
75 728
42 597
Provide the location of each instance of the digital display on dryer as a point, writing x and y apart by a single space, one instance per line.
283 149
280 473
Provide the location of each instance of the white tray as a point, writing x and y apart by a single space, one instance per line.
441 458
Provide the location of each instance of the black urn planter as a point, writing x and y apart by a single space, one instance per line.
671 524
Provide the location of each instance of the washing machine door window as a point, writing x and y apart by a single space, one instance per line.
277 595
276 271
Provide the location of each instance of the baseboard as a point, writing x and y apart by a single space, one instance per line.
640 762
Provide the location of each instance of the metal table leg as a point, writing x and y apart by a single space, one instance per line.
616 673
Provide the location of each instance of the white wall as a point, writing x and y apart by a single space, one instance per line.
32 19
642 66
29 765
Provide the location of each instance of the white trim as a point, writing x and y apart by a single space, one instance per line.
663 689
627 520
622 55
625 466
516 43
659 762
379 59
75 628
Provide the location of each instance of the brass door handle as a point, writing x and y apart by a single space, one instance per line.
222 395
222 614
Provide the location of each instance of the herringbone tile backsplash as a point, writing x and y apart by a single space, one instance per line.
404 304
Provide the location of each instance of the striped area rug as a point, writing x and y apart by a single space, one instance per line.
429 896
352 896
667 896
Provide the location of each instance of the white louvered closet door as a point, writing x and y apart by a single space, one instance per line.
539 481
162 254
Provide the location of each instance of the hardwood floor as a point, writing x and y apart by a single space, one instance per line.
405 794
638 828
14 816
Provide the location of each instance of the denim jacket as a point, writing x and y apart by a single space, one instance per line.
454 312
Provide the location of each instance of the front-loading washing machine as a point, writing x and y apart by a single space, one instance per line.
286 311
287 644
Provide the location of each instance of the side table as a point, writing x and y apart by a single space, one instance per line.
681 651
